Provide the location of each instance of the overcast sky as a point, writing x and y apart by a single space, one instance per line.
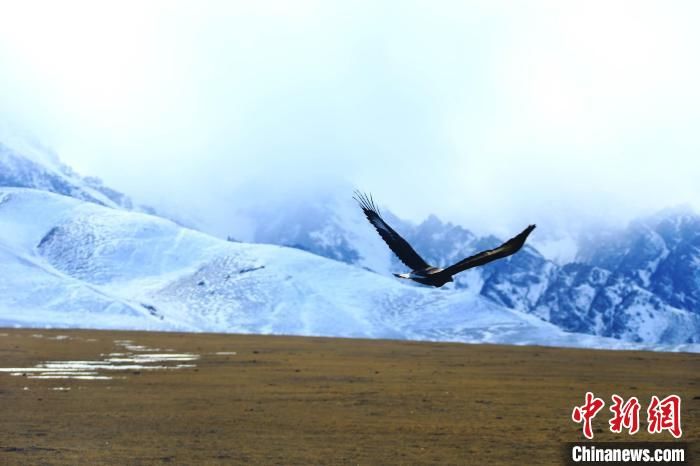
492 114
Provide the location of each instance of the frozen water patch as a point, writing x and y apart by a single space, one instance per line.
225 353
155 357
75 377
130 346
148 360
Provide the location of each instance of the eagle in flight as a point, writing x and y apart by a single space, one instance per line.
421 271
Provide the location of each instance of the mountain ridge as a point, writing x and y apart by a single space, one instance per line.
640 284
86 265
643 276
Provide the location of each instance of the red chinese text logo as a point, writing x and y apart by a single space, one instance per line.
661 415
665 415
624 415
587 412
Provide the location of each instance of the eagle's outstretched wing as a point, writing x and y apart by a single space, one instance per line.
511 246
396 243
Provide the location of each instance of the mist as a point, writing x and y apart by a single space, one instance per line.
489 114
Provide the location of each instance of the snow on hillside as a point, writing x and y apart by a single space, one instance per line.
326 222
26 163
69 263
641 284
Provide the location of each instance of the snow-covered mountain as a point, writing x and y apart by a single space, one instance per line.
325 222
67 262
641 284
26 163
638 285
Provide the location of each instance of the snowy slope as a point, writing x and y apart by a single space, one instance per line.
67 262
325 222
26 163
641 284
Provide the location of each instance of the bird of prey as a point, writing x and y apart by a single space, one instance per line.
421 271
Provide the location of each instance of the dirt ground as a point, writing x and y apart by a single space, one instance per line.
293 400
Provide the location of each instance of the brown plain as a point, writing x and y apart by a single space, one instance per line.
296 400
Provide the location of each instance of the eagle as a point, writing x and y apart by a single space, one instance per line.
421 271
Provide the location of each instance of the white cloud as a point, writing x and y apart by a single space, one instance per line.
491 114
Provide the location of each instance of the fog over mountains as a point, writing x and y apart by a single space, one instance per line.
638 284
26 163
86 256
